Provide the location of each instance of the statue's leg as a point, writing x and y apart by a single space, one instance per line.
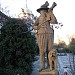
48 59
41 51
46 50
49 43
42 60
55 64
49 50
50 64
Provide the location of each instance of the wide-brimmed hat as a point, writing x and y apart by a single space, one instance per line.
44 7
38 10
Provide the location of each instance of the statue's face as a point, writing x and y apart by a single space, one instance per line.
43 11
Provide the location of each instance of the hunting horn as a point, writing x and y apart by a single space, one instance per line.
53 5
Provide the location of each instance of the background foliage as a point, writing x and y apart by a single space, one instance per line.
17 49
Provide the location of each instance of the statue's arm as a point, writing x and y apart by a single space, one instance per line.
36 24
51 17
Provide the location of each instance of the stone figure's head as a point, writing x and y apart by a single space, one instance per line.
44 7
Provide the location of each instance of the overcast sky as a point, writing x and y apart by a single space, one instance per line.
64 12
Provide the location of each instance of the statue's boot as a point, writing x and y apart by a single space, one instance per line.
41 69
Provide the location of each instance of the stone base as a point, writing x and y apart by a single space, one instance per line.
48 72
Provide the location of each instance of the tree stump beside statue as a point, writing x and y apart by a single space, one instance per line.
45 39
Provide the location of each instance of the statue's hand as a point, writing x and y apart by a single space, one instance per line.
34 27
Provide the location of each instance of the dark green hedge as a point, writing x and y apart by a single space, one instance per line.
17 49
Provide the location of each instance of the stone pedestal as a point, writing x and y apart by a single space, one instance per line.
48 72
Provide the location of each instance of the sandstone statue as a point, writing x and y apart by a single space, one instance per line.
42 25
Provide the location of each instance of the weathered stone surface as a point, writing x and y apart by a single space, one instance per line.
48 72
46 39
